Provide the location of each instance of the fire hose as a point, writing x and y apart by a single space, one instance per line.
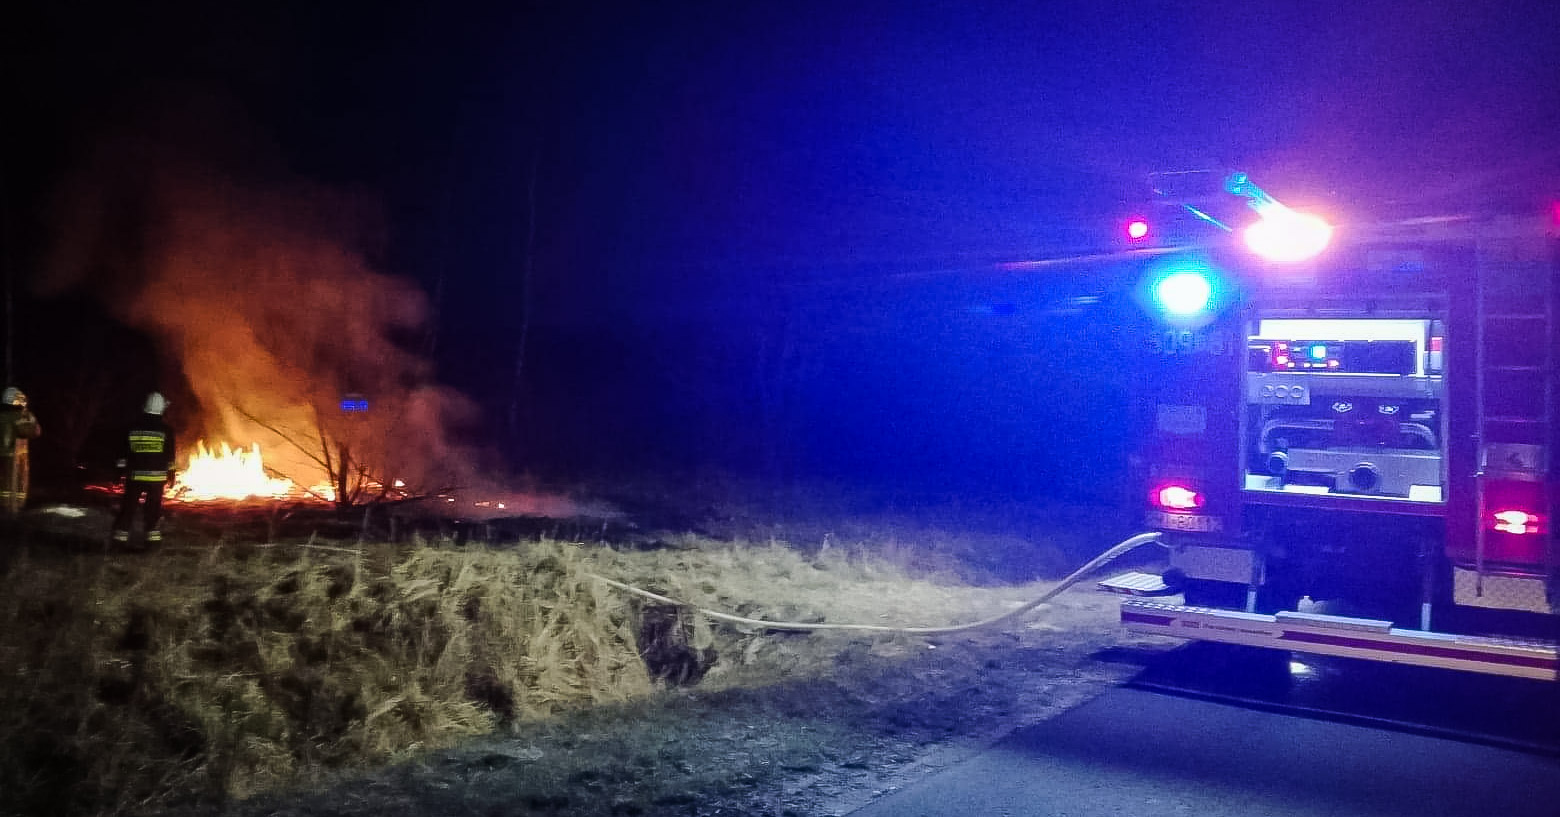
1109 555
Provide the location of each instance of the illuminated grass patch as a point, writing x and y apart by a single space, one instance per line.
128 682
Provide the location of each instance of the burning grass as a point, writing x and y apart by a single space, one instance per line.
226 473
131 682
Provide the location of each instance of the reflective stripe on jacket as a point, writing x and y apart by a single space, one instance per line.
148 452
148 442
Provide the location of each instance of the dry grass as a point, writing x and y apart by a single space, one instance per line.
133 682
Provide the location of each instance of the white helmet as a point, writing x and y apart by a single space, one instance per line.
156 403
14 397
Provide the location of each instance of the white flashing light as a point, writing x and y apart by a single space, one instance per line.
1283 235
1287 237
1183 293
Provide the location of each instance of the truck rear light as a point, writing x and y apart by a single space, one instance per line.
1176 498
1516 521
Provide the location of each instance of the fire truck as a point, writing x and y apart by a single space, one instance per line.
1347 435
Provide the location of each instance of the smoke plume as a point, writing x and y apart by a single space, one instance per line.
257 282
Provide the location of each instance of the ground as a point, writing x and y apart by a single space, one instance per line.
890 713
753 721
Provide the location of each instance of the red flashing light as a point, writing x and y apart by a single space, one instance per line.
1137 229
1519 522
1176 498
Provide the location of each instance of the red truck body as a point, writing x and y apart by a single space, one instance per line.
1355 454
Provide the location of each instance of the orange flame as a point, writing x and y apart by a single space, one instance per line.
236 474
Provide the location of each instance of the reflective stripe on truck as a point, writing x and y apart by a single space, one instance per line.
1367 639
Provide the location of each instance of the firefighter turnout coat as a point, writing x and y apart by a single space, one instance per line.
149 451
17 426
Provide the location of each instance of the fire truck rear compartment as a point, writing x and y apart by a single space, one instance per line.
1345 406
1371 433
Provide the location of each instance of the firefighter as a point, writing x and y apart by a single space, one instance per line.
148 466
17 426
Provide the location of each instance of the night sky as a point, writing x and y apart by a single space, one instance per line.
753 232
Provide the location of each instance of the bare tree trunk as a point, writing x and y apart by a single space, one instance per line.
446 222
778 359
5 261
90 385
343 478
527 268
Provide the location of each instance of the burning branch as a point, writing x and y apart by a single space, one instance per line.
350 478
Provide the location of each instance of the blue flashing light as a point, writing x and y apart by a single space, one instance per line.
1184 293
1318 352
354 405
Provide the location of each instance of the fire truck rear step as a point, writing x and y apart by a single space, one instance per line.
1137 583
1373 625
1368 639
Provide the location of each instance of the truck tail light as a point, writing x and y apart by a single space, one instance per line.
1176 498
1516 521
1513 510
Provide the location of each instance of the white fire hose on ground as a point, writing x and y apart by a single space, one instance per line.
1073 578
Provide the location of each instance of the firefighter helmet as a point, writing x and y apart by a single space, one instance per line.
156 403
14 397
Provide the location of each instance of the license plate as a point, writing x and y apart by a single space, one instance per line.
1186 522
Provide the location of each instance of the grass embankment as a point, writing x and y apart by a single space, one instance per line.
133 681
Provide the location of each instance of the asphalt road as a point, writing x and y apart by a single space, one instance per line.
1196 735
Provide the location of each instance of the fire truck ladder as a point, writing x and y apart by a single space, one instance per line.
1516 394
